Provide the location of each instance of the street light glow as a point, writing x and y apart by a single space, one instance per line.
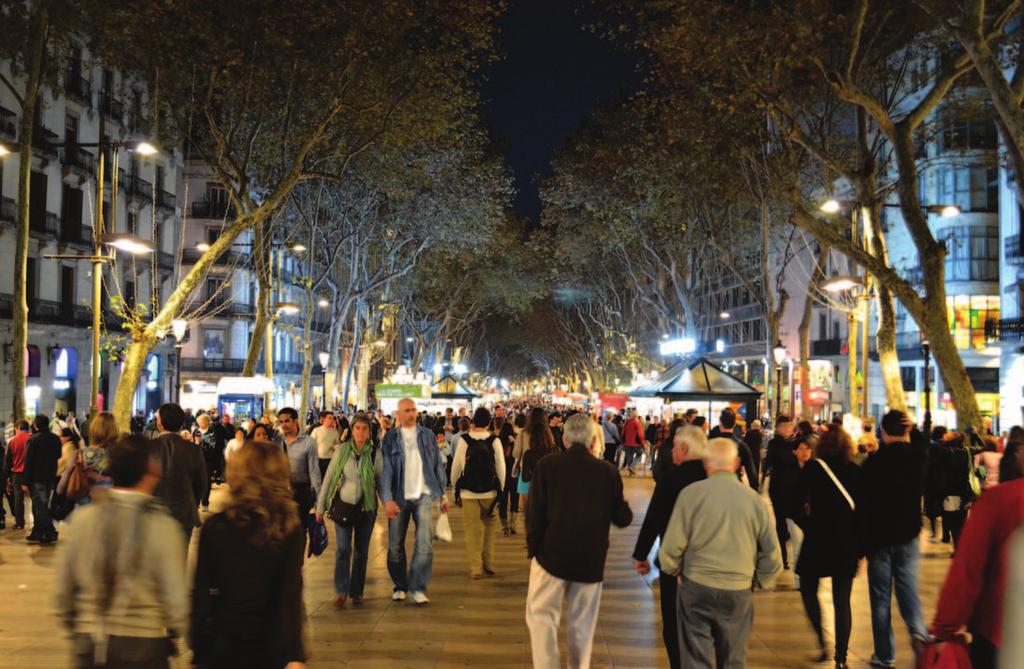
202 246
287 308
4 151
838 284
724 315
460 368
130 244
325 357
678 346
298 248
146 149
719 346
178 327
831 206
779 353
323 303
949 211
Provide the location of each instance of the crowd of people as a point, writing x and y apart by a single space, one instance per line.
131 504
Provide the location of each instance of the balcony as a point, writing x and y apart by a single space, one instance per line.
112 107
211 210
232 365
78 160
166 200
139 189
192 256
1006 329
8 210
826 347
43 223
8 125
121 176
45 141
78 87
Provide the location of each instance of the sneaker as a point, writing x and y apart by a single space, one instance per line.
875 662
418 598
339 601
505 532
48 539
398 596
357 601
19 526
33 539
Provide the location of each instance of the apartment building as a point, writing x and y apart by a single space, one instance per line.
90 105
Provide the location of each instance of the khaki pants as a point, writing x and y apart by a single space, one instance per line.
480 533
544 613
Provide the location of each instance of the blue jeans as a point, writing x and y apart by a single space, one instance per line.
43 524
899 564
416 578
349 579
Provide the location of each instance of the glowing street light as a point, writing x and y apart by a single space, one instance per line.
949 211
146 149
129 244
323 303
831 206
725 315
838 284
178 327
203 247
4 151
287 308
298 248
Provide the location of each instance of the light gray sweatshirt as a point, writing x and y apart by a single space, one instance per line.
720 535
135 534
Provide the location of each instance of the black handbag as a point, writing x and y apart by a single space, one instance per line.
60 506
344 513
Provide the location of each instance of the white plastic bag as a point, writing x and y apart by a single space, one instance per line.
443 530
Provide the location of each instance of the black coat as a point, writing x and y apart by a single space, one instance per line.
41 455
892 485
574 499
832 534
780 464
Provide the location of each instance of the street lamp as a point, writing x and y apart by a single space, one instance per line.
831 206
725 315
325 357
178 326
844 282
128 244
779 355
927 350
287 308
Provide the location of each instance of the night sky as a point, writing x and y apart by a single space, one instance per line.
554 72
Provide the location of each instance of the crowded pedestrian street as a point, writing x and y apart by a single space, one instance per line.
469 623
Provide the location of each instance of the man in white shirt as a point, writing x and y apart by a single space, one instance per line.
327 440
413 476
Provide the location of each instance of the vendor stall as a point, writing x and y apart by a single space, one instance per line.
696 383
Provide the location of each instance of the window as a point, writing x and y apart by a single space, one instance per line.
908 375
822 326
972 188
212 234
962 135
71 130
31 281
133 224
129 293
67 286
213 342
972 253
967 315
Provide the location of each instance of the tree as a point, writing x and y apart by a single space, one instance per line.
296 93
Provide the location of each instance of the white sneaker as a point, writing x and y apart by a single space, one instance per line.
418 598
398 596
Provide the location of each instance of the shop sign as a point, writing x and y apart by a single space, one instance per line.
398 390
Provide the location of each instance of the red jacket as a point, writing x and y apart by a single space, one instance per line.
973 592
17 447
633 433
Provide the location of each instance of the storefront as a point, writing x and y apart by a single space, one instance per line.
65 380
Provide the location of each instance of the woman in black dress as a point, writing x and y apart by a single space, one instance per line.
247 593
826 492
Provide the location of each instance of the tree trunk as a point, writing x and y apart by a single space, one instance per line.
851 363
307 355
19 315
263 306
806 408
357 335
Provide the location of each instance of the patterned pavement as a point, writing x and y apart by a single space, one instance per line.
468 623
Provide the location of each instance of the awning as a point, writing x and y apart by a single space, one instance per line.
697 379
448 388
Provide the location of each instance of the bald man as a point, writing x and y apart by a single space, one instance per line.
413 477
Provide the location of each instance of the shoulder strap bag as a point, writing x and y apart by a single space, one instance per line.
839 486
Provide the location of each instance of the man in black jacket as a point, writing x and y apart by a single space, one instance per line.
781 466
183 477
688 449
892 482
727 430
40 478
574 499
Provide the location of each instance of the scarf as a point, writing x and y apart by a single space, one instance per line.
367 474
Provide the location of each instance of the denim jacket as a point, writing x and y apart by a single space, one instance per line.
392 478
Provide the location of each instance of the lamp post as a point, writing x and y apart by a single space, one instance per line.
927 350
779 355
125 243
325 357
179 326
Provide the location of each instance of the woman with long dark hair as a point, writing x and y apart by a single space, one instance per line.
247 590
532 444
827 488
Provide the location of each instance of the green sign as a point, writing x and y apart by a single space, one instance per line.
398 390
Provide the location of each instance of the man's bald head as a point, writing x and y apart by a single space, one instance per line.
406 412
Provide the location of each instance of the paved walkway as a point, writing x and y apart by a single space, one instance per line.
468 623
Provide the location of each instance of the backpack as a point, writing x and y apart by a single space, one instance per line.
479 474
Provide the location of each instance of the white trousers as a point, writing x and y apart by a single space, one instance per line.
544 612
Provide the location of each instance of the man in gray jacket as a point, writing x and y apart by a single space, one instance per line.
720 540
121 571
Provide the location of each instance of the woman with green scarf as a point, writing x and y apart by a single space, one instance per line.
348 497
